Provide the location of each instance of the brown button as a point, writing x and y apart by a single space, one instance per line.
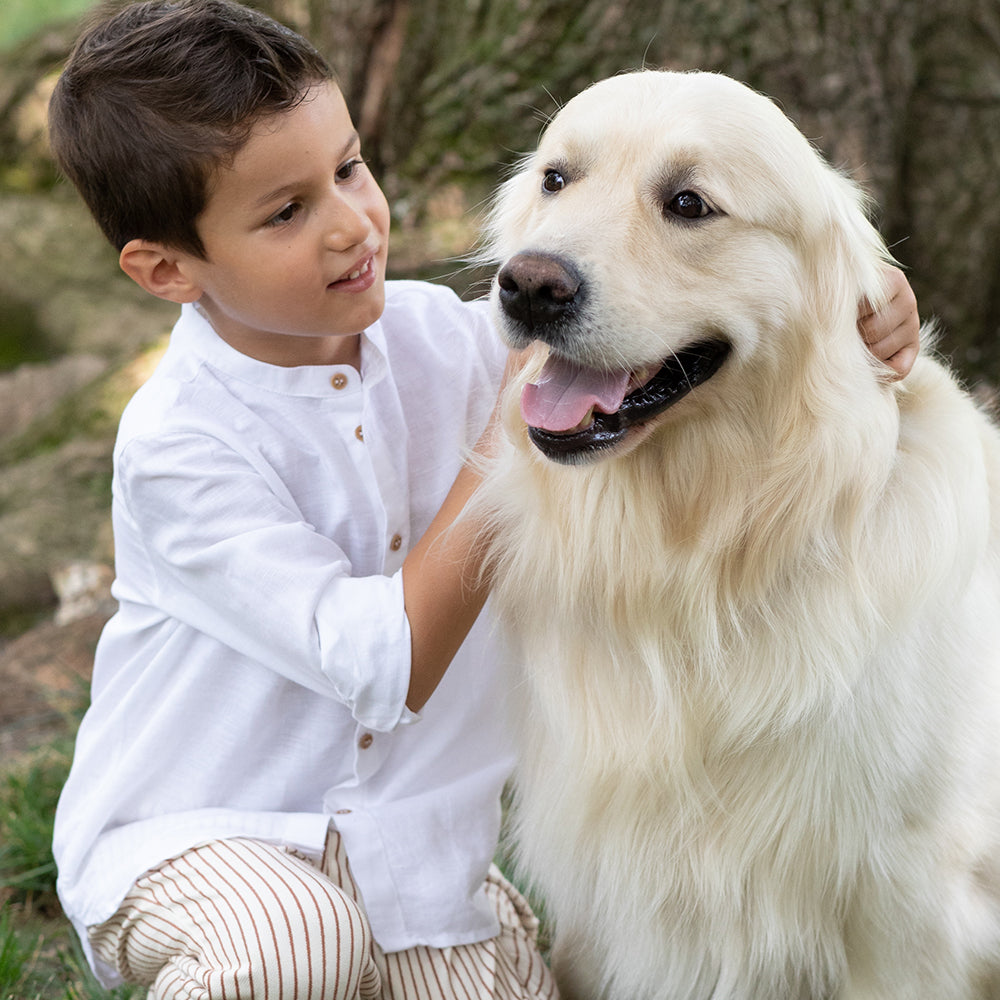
366 741
339 380
359 433
342 812
397 541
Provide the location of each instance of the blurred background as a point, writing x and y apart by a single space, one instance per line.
902 94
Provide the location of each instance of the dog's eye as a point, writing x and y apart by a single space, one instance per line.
553 181
688 205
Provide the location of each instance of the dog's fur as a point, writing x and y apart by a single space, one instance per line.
761 700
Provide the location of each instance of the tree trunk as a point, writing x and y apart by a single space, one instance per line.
904 94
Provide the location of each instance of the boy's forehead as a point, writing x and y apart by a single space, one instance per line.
322 104
286 145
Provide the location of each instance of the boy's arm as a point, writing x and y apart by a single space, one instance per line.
893 334
444 589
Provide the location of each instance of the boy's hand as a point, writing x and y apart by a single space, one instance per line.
893 335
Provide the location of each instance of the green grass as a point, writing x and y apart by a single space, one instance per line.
13 957
19 19
27 810
39 964
40 957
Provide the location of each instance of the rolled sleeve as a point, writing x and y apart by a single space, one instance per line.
374 649
246 569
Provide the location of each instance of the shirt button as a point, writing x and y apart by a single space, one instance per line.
342 812
359 433
339 380
366 741
397 541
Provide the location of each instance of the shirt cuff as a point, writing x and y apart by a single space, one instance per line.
364 638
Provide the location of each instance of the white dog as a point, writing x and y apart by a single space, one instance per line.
755 583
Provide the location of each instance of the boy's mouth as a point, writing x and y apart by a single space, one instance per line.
361 270
362 273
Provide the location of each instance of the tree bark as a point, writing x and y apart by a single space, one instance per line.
903 94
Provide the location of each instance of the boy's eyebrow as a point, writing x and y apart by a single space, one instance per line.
266 199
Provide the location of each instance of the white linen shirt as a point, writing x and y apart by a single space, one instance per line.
253 680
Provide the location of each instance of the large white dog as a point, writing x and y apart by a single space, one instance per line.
756 584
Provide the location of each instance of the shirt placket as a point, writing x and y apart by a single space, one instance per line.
385 440
380 461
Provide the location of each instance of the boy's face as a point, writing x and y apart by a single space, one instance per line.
296 237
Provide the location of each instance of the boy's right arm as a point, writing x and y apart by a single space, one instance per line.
219 545
443 589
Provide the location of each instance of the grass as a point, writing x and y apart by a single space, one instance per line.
19 19
35 965
40 957
27 806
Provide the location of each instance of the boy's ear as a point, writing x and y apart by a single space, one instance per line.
160 270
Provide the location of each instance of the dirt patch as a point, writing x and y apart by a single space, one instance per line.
44 677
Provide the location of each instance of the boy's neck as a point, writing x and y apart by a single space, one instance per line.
292 351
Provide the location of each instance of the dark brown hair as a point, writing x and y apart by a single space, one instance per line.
154 98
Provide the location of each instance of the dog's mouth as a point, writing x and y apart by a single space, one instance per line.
574 412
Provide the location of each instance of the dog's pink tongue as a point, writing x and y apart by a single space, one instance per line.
565 392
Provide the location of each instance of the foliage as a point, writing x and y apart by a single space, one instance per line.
40 957
13 957
19 19
27 811
21 337
31 968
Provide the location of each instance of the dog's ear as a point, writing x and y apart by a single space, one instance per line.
850 264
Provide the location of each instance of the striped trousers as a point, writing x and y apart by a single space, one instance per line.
247 920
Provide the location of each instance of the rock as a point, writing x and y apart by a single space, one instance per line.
44 676
54 259
25 588
32 391
83 589
54 510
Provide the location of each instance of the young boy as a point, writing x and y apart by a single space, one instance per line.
265 800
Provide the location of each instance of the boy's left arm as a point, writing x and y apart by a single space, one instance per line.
893 334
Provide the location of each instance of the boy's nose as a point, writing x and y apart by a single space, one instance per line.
348 226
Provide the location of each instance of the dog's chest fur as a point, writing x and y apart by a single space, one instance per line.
743 684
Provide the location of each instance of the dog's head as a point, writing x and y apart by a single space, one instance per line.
670 229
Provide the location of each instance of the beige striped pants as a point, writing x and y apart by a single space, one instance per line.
247 920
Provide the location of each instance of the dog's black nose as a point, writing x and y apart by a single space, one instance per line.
538 288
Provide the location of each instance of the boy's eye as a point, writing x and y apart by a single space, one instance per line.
347 170
285 215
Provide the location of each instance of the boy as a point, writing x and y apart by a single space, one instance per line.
265 800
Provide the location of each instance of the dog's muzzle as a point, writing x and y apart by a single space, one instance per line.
582 411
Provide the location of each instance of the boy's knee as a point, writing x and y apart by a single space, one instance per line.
337 960
280 930
325 954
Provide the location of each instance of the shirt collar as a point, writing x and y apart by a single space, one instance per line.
194 335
